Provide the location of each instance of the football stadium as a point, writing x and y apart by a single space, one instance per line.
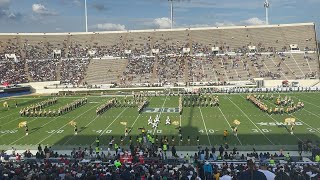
178 103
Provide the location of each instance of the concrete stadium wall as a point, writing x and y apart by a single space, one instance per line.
38 87
302 82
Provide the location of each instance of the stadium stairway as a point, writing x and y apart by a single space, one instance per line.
154 78
186 70
26 67
315 84
58 74
105 71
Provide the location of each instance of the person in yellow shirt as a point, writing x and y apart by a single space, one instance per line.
216 175
225 134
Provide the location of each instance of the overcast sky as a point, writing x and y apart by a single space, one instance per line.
104 15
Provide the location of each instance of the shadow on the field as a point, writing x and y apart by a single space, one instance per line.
81 129
260 141
249 141
33 130
190 116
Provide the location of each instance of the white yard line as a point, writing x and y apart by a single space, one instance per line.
8 115
66 124
229 124
10 121
251 121
273 118
278 122
154 131
311 113
315 129
307 101
110 125
13 112
4 99
84 126
133 124
310 103
31 133
135 121
205 127
18 128
303 94
180 120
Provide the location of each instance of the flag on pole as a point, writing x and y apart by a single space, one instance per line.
73 123
236 122
290 121
123 123
22 124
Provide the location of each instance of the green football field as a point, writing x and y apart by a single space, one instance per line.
208 123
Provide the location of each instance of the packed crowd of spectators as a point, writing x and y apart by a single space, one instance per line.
170 70
38 55
43 70
12 72
154 162
73 71
38 51
77 51
138 70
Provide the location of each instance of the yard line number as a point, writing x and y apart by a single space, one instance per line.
55 131
263 130
211 131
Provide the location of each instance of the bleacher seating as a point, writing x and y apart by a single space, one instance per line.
271 58
106 71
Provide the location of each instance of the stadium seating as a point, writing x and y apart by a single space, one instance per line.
162 56
106 71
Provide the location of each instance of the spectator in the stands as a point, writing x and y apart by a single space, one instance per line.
252 173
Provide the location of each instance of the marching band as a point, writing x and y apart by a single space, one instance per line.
199 100
36 110
282 105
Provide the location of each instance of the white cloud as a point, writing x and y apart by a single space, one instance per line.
192 25
162 23
109 27
253 21
42 10
77 2
157 23
221 24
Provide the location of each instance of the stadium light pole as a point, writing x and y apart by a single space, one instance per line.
86 14
171 12
266 6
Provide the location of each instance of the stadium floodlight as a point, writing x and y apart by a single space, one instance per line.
171 12
266 6
86 14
